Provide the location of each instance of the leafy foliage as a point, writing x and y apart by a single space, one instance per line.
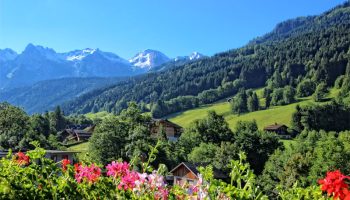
306 161
332 116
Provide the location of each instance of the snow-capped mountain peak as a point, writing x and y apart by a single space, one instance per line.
148 59
78 55
195 55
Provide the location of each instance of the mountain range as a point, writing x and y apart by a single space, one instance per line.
315 48
39 78
37 63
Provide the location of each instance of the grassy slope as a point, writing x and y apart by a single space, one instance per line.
277 114
79 147
100 115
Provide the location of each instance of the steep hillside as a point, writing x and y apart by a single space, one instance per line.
45 95
315 47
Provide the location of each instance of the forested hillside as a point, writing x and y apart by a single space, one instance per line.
44 95
314 49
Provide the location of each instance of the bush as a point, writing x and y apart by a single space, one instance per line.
306 88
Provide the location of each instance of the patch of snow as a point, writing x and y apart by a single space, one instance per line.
195 55
79 54
11 73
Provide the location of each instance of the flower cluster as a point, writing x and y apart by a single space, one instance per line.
199 188
334 184
89 173
87 182
22 159
65 162
127 182
117 169
139 183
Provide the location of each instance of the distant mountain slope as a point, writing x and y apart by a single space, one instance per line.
317 48
45 95
293 27
178 61
7 54
37 63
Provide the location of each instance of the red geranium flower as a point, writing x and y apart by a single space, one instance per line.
76 167
22 159
334 184
65 162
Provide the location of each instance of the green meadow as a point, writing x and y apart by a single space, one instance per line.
276 114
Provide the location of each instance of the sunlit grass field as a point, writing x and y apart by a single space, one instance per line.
277 114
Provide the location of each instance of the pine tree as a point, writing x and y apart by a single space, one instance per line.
320 93
253 103
239 103
296 119
288 95
267 101
58 121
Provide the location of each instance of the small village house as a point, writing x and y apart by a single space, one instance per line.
172 130
57 155
188 173
77 133
280 129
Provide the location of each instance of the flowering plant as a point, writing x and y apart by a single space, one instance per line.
65 162
87 173
22 159
335 185
32 176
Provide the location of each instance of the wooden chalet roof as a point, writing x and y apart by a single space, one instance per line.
193 168
80 133
275 127
167 122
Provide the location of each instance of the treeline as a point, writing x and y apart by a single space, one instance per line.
318 51
329 117
17 129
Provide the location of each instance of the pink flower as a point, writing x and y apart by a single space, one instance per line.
89 173
155 180
117 169
162 193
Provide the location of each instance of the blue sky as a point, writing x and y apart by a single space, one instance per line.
125 27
